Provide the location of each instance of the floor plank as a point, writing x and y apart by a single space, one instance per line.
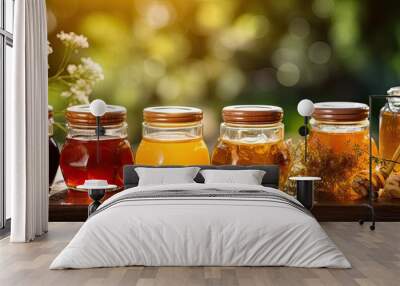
375 257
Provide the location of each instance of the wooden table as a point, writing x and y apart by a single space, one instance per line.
354 211
62 209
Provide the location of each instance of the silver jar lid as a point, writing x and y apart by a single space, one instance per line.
394 91
394 102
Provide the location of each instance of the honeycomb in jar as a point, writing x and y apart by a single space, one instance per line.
238 153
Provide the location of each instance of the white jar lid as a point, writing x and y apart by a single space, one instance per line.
96 185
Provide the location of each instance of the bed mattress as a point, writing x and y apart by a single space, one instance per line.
201 225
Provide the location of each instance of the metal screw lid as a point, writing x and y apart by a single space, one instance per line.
252 114
394 91
80 115
172 114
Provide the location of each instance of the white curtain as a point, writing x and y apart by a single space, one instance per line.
26 124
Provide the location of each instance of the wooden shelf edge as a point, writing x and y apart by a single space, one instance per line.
322 212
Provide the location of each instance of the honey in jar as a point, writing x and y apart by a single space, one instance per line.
89 155
252 135
172 135
389 128
54 152
338 149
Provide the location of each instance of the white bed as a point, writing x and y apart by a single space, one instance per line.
224 225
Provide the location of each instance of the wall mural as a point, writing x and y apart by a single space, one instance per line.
208 55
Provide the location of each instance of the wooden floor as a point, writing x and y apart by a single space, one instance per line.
375 257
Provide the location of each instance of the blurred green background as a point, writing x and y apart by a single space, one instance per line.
211 54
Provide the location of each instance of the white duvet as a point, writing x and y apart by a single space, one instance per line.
188 231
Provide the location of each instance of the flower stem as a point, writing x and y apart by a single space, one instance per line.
63 63
61 126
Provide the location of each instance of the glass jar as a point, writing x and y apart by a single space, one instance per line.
172 135
252 135
54 152
84 157
389 128
338 149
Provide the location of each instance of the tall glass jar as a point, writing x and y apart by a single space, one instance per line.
172 135
252 135
338 149
84 157
389 128
54 152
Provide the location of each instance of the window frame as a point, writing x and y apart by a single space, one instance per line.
6 39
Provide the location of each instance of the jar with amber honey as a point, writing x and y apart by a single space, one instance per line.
339 149
88 155
172 135
389 128
54 152
252 135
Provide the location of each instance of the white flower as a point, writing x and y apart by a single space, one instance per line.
81 78
93 69
71 69
84 77
66 94
73 40
88 70
83 99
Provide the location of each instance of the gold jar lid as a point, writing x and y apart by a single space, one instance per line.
252 114
172 114
340 111
79 115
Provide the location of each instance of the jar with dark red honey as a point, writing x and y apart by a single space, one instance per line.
252 135
86 156
54 152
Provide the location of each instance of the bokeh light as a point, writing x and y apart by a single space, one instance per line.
230 84
323 8
299 27
154 68
245 30
288 74
157 15
213 15
169 88
51 21
319 53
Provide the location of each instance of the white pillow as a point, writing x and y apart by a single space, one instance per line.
247 177
166 176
